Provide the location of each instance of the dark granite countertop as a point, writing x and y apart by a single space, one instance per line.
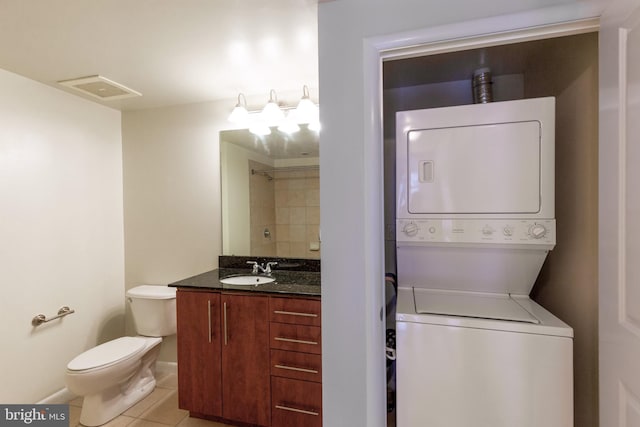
305 283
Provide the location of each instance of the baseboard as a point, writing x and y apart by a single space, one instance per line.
60 397
167 367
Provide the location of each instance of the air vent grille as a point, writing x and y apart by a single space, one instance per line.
100 87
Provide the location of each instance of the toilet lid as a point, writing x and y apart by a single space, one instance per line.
107 353
152 292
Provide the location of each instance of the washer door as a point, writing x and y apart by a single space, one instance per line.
471 304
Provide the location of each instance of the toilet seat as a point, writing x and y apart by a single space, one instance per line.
108 354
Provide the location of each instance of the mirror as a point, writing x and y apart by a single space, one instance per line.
270 187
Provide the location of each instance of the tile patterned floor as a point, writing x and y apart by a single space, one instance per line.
159 409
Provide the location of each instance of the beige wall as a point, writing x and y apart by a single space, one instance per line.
61 230
568 283
171 195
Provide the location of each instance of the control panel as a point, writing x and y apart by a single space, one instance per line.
480 231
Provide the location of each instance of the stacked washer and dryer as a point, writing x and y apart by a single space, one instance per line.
475 221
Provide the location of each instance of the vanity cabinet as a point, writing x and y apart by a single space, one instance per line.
199 357
245 359
223 356
251 359
296 362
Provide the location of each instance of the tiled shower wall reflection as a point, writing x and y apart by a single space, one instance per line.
285 212
263 210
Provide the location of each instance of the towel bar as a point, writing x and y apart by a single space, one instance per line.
41 318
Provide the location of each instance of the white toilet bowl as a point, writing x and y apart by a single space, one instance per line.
116 375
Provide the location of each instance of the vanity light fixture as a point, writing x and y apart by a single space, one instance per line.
273 115
240 115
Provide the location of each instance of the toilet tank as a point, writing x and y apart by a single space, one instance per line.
154 309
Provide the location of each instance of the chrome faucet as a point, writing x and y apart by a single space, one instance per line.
257 268
267 270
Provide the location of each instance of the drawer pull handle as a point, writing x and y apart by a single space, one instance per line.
296 341
209 315
293 313
301 411
293 368
226 337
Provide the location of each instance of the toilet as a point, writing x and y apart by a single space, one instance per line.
114 376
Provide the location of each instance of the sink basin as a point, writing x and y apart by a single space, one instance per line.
247 280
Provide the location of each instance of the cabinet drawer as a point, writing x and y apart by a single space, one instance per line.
295 310
295 338
292 364
295 403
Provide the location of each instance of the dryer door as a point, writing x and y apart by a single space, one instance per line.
479 169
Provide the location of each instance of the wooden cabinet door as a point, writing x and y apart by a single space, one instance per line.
245 359
199 361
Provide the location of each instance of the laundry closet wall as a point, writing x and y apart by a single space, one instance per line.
568 282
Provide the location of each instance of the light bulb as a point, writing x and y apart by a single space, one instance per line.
240 115
289 125
306 111
259 128
315 126
271 114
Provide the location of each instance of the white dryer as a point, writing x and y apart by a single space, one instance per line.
474 224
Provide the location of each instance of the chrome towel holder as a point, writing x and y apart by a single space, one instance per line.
41 318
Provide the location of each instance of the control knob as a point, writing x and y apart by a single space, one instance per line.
410 229
537 231
487 230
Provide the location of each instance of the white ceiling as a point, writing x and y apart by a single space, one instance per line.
171 51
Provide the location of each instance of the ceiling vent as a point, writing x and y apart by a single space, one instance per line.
100 88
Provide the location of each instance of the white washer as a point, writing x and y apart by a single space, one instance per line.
480 359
